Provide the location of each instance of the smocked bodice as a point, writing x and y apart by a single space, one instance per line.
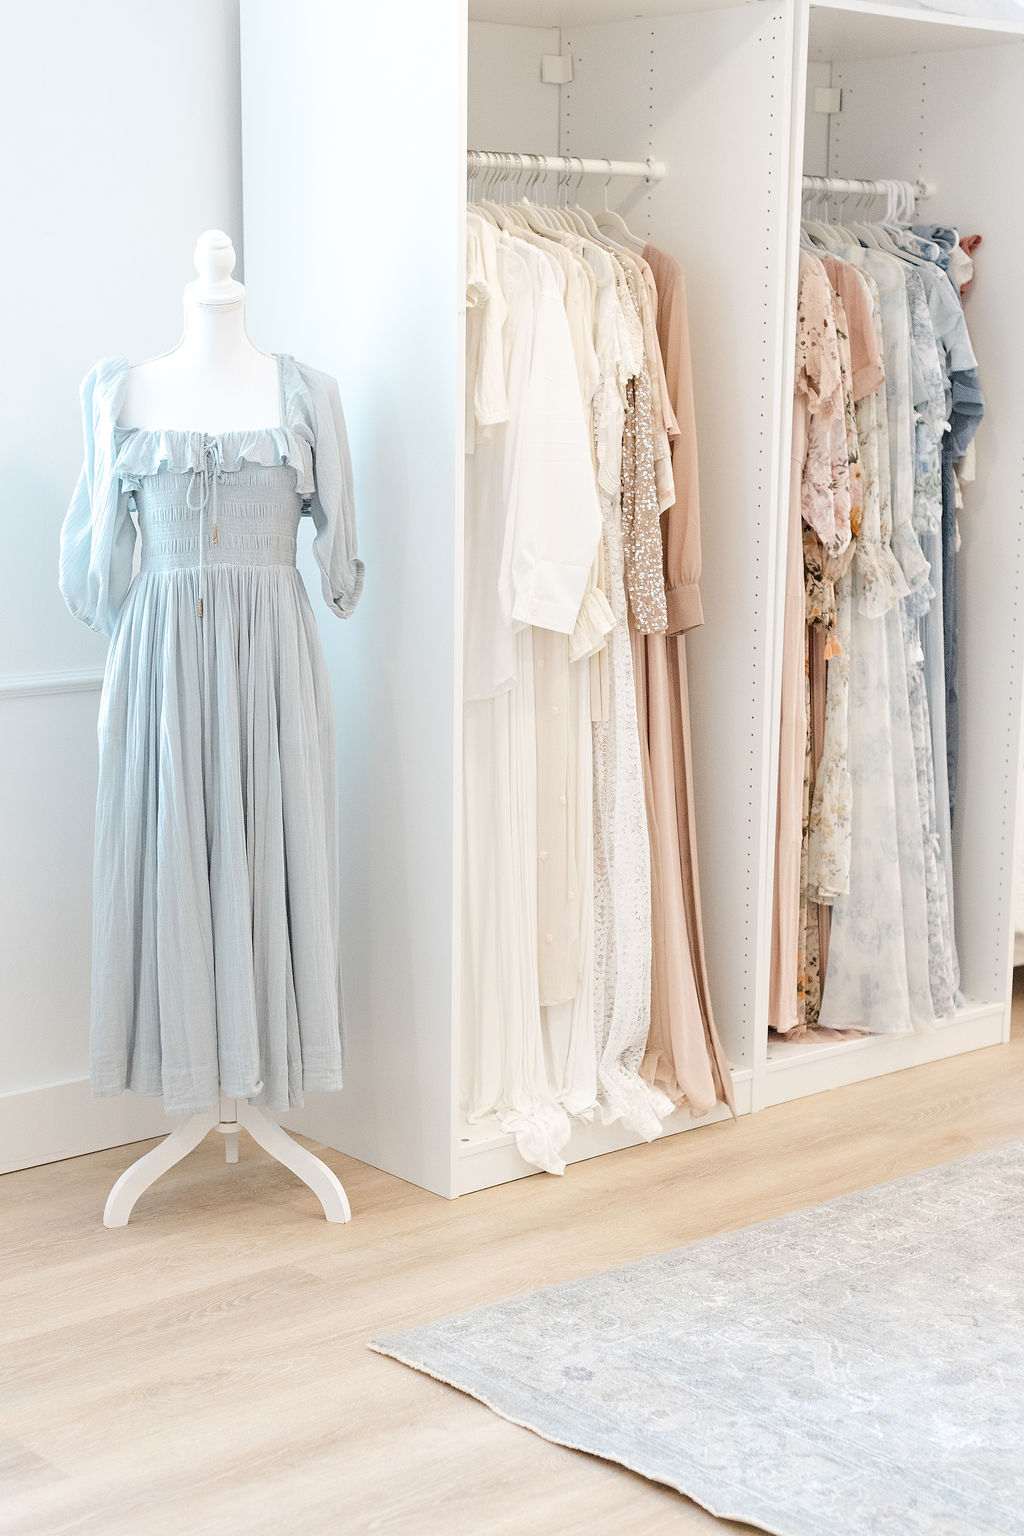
208 501
249 517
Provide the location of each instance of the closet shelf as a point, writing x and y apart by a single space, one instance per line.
486 1136
487 1156
858 29
842 33
571 13
803 1067
783 1054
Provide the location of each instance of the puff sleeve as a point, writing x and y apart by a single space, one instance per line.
332 504
97 537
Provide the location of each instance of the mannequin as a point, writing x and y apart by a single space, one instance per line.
214 380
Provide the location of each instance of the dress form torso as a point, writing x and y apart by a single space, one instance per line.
214 380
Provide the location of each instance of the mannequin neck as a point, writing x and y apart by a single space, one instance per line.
215 334
214 380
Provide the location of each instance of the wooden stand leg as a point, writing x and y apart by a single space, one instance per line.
233 1113
326 1185
136 1179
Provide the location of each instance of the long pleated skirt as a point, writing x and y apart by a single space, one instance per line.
215 920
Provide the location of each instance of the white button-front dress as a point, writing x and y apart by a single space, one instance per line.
215 890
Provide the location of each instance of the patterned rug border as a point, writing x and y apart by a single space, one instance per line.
378 1348
527 1408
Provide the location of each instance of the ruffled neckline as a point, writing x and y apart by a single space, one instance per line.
143 451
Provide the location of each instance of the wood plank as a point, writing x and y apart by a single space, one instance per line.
206 1368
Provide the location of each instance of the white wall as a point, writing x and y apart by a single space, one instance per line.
723 216
119 122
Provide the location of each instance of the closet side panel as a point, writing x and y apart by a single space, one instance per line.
957 119
366 285
708 93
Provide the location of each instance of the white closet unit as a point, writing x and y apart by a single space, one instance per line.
354 262
932 97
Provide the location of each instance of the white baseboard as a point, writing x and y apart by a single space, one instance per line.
44 1125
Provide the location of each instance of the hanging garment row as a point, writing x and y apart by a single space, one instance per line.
886 406
584 982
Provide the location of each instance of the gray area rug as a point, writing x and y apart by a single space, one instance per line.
853 1369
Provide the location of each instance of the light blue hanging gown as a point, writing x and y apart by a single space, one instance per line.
215 887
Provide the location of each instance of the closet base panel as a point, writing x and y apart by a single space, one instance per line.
804 1067
487 1157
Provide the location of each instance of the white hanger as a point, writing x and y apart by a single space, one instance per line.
570 208
584 218
565 224
608 220
535 216
521 213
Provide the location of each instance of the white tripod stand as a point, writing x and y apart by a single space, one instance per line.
217 378
232 1114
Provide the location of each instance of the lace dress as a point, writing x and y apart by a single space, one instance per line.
622 864
830 596
216 890
817 404
827 499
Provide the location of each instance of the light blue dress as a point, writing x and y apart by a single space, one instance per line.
215 887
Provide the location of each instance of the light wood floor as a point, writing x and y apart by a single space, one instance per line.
205 1372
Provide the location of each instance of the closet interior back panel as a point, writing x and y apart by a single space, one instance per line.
707 92
955 118
662 88
657 88
509 105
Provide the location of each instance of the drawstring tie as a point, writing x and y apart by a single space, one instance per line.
206 469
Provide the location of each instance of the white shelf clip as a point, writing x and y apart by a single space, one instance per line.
556 68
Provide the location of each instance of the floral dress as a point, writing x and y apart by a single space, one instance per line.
929 423
827 505
817 401
877 975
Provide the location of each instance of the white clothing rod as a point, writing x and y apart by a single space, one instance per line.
844 185
517 164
